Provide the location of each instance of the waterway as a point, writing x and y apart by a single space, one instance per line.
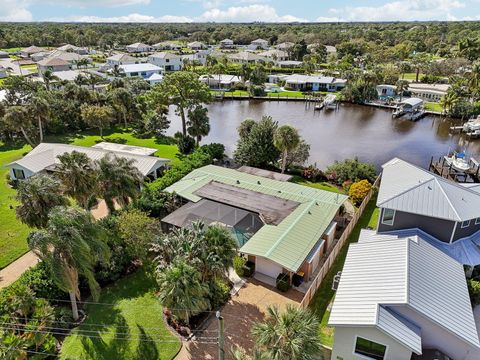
369 133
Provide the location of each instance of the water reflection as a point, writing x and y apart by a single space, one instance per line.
368 133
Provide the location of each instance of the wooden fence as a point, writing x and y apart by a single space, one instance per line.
337 248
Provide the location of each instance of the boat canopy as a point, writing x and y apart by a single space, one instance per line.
412 102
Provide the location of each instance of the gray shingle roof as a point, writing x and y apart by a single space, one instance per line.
406 187
385 270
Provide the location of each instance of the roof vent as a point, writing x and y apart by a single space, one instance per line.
280 191
258 182
238 181
429 188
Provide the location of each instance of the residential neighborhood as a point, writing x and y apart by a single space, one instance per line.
258 186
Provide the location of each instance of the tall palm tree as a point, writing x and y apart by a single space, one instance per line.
78 176
17 118
448 101
41 110
198 123
122 101
474 81
239 353
402 85
37 196
285 139
118 179
48 77
70 246
181 290
292 334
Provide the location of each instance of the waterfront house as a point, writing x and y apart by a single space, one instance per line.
275 55
120 59
401 298
285 46
227 44
385 90
299 82
44 158
259 44
246 57
167 45
144 70
53 64
74 49
167 60
428 92
222 82
281 226
413 200
27 52
196 45
138 48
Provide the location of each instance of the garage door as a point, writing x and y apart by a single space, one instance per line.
267 267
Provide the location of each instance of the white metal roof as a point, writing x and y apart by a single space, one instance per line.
45 155
406 187
395 272
220 78
130 68
130 149
413 102
164 55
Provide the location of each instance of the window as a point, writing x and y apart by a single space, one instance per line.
19 174
465 224
370 349
388 217
477 221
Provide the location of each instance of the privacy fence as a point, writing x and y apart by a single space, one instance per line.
337 248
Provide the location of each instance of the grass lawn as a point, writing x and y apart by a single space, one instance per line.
12 49
13 233
29 66
317 185
325 294
411 76
136 311
433 106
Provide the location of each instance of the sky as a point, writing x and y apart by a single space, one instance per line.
237 10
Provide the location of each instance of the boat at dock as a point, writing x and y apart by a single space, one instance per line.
330 102
472 125
458 162
319 106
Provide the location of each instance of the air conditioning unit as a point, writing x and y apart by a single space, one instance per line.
336 281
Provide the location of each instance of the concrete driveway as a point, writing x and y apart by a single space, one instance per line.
240 313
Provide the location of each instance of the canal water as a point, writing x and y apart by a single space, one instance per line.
352 131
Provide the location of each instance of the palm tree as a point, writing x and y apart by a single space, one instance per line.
402 85
37 196
239 354
17 117
474 81
181 290
292 334
41 110
118 179
198 123
93 79
70 246
82 62
97 116
448 101
78 176
285 139
48 77
122 100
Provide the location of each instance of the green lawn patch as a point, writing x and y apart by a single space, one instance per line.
325 294
411 76
136 311
12 49
433 106
317 185
13 233
29 66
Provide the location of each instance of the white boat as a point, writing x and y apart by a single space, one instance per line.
472 124
318 106
458 162
330 102
397 112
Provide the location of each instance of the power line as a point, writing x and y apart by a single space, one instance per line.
29 351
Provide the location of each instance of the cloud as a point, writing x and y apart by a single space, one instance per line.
100 3
407 10
129 18
255 12
15 10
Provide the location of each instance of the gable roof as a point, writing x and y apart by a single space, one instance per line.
391 272
246 56
121 57
165 55
138 45
32 49
262 41
129 68
406 187
45 155
287 243
53 61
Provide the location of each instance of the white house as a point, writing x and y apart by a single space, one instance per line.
70 57
247 57
220 81
154 79
4 55
275 55
27 52
285 46
144 70
40 56
199 57
227 44
53 64
401 297
120 59
258 44
166 60
73 48
138 48
44 158
167 45
385 90
301 82
428 92
196 45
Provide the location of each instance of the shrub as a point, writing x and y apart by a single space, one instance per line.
239 265
359 190
219 293
474 291
186 144
116 140
249 268
351 169
215 150
311 173
257 90
283 282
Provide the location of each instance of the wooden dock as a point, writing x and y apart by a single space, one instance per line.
442 168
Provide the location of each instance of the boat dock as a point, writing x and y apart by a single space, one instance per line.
447 171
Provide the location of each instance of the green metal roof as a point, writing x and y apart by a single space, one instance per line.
289 242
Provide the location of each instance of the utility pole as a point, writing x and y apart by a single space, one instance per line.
221 337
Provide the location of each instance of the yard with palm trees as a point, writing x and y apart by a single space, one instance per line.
13 242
